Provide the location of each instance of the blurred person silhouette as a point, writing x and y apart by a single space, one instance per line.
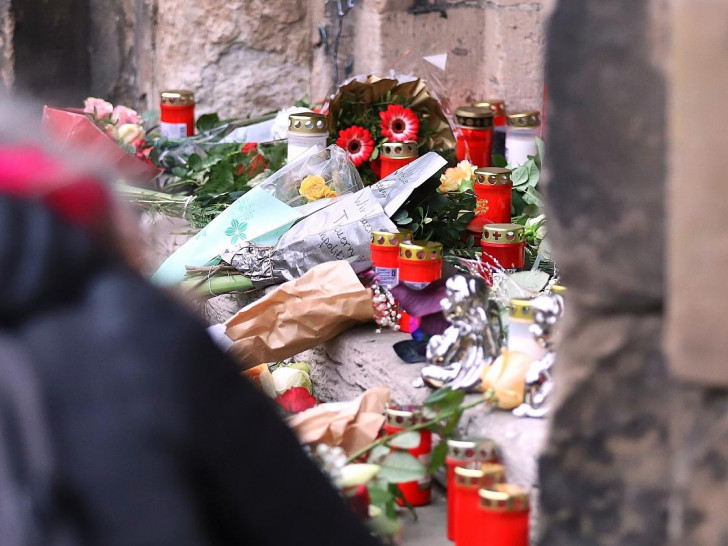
144 432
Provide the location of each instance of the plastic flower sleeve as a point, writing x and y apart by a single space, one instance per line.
341 231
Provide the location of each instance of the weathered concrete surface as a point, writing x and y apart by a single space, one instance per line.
361 359
606 472
240 57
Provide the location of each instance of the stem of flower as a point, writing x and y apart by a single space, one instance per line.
435 420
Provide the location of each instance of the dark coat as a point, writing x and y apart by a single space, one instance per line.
158 438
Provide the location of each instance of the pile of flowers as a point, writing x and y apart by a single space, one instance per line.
365 114
122 124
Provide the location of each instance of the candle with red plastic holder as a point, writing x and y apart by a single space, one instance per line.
504 516
503 247
461 453
469 479
420 263
177 114
493 190
395 155
418 492
385 255
498 107
475 138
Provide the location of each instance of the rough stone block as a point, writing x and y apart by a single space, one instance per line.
605 474
606 156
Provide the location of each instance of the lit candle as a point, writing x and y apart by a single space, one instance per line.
504 514
520 338
396 155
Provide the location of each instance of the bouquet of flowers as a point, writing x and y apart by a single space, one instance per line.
366 113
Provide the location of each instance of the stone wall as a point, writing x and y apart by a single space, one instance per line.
252 56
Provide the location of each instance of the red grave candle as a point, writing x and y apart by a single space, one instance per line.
419 492
177 114
475 141
467 515
503 246
461 453
504 513
493 190
396 155
498 107
385 255
420 263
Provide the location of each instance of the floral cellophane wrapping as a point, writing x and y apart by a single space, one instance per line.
375 89
299 315
351 425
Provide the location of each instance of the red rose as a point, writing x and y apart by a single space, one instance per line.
296 399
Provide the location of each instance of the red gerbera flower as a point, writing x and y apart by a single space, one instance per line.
296 399
358 143
399 124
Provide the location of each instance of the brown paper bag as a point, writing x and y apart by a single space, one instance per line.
300 315
351 425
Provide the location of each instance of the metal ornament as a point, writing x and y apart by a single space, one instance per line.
458 357
547 312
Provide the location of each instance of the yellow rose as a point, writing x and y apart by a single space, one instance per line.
314 187
450 181
506 378
467 168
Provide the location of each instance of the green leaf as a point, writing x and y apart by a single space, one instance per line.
531 211
448 400
150 117
438 396
401 467
406 440
378 453
438 456
533 197
452 423
540 152
375 154
533 174
499 160
466 185
207 122
519 176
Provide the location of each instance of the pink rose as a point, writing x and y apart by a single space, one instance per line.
99 108
130 133
123 115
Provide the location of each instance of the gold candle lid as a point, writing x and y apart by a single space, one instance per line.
520 308
493 176
505 497
504 234
497 106
421 251
404 416
177 97
477 449
558 289
524 120
387 238
475 475
400 150
307 123
473 117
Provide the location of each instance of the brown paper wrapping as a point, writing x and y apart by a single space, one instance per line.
376 89
351 425
300 315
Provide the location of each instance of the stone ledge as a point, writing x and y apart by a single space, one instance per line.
361 359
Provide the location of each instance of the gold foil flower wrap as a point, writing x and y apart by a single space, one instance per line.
414 94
